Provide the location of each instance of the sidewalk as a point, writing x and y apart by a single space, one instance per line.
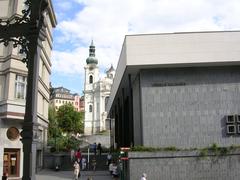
64 175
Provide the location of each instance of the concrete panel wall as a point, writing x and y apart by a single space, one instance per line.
137 112
183 166
186 107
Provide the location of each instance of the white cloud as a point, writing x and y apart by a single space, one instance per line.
108 21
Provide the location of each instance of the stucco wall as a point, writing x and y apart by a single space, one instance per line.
186 107
183 165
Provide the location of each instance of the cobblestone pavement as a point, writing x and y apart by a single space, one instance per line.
64 175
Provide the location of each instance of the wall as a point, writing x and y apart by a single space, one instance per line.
190 111
6 143
183 165
136 112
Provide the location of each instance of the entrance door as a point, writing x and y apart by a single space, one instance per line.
11 162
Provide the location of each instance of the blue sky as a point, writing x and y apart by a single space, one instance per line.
108 21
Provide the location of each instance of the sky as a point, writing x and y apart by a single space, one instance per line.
106 22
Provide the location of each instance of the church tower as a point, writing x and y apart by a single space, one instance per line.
91 79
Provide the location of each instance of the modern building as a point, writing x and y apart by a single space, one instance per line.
60 96
178 90
13 83
96 94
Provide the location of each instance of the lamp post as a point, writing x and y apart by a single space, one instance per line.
28 32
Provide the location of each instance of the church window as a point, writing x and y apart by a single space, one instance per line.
98 107
90 79
90 108
106 101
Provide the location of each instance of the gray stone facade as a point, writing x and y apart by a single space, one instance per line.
187 107
183 165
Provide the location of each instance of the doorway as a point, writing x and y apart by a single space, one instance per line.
11 164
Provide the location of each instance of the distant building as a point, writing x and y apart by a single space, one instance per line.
179 90
60 96
13 86
96 94
82 105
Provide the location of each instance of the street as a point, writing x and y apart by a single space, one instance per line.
63 175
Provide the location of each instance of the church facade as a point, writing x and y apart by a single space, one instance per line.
96 94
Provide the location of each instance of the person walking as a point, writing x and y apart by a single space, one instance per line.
144 176
76 170
99 148
95 148
109 158
78 156
84 163
94 164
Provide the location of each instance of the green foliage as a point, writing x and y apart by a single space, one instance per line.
63 143
217 151
69 120
153 149
53 129
65 121
203 152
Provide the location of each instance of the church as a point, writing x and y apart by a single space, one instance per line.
96 94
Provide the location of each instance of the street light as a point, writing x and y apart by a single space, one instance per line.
28 32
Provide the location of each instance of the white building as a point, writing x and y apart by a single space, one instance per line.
13 83
96 93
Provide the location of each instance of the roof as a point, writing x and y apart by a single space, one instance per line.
182 49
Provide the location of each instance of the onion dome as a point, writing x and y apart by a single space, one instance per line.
92 59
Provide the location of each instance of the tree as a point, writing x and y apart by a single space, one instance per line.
69 120
53 129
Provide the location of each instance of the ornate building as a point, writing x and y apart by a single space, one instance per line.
96 93
60 96
13 84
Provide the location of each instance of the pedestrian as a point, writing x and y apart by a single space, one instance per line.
78 156
109 158
144 176
94 163
84 163
99 148
110 167
5 176
95 148
115 171
76 170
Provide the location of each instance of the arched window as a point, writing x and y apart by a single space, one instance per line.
90 79
90 108
106 101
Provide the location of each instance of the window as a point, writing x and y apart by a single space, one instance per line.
90 79
106 101
233 124
90 108
98 107
20 87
